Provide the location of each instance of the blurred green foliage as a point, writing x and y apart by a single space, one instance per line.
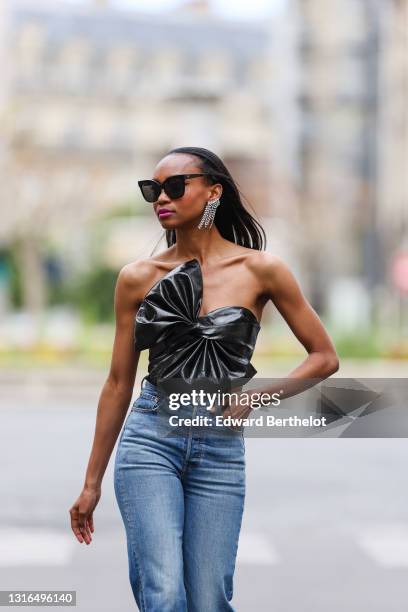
9 257
359 345
92 294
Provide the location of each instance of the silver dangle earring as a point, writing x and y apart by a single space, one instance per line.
209 213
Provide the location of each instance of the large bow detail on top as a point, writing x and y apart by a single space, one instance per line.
215 346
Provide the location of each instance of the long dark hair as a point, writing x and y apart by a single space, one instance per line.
232 219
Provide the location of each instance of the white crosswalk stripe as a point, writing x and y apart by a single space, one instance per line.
35 546
386 544
255 549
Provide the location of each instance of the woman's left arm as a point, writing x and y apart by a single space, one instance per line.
281 286
283 289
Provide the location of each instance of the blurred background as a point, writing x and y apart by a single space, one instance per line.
306 101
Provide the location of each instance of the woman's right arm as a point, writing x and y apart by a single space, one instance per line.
113 402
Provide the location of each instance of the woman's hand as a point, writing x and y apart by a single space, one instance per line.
82 514
237 409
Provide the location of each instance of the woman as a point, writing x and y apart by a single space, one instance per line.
198 308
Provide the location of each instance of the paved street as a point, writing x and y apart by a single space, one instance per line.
325 524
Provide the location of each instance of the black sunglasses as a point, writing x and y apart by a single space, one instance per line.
174 186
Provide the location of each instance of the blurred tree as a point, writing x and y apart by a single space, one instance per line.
93 292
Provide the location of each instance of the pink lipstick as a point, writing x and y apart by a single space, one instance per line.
164 212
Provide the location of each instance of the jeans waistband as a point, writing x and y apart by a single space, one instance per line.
149 386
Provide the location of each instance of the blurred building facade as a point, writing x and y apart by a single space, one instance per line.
353 97
308 110
392 194
95 96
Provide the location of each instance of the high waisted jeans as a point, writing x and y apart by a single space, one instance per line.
180 491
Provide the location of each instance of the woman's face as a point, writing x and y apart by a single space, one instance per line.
189 208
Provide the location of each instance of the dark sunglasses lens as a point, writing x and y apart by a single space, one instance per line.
174 187
150 191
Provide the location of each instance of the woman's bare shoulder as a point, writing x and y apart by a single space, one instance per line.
268 268
264 261
141 274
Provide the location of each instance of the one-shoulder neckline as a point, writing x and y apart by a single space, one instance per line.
214 310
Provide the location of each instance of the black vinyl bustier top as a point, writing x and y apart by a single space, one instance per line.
183 345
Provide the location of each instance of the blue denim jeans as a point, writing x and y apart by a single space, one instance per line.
180 491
